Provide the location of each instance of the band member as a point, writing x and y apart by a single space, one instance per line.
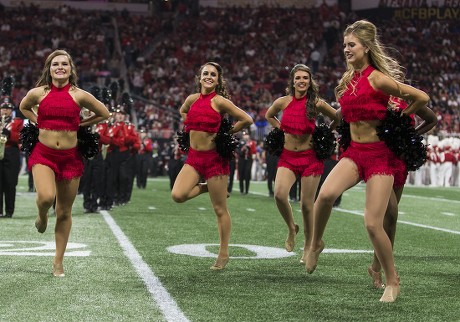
134 145
106 196
144 158
10 165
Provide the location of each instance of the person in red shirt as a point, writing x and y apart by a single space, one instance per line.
371 78
203 113
55 160
298 159
428 120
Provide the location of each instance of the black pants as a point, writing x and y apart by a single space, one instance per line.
143 164
9 172
329 164
272 163
106 198
174 167
244 171
231 176
92 182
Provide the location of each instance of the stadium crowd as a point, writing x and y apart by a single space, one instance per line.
155 59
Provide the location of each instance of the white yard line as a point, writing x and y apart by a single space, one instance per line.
359 213
430 198
160 295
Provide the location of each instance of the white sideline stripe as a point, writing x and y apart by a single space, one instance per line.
163 299
354 212
431 198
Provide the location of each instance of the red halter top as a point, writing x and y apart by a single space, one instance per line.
58 111
294 119
202 117
362 102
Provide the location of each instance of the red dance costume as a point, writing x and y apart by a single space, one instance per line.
360 102
400 166
202 117
208 163
295 121
58 112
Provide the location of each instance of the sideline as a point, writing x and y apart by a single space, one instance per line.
162 298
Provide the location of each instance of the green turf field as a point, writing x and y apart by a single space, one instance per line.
149 261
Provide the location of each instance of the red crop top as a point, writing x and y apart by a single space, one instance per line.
362 102
294 119
202 117
58 111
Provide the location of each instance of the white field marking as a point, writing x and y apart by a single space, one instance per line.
152 208
163 299
354 212
40 248
344 251
448 213
201 208
401 221
260 252
250 209
430 198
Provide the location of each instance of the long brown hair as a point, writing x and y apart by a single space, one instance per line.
312 91
221 87
45 78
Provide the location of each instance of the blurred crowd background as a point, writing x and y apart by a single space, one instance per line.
155 55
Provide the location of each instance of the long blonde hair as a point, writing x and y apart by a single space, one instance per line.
45 78
366 32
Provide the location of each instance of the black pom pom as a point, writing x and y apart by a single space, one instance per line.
88 142
323 141
226 143
96 91
400 136
343 129
28 138
274 141
127 102
106 96
183 139
114 90
7 86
